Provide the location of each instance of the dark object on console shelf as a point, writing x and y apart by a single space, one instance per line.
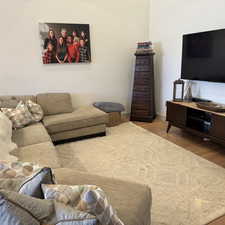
198 120
195 99
143 101
211 106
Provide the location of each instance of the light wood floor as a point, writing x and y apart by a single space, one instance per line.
206 149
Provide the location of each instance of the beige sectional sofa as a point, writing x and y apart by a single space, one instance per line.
60 122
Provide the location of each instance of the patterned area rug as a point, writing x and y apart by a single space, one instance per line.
187 190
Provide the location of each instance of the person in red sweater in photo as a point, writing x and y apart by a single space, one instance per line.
49 54
73 50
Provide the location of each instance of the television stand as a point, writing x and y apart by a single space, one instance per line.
201 122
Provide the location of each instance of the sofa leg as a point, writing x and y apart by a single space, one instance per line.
102 134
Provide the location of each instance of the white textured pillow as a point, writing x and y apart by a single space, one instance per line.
6 144
6 133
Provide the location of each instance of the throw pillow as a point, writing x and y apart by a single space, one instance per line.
6 144
17 169
94 201
6 133
18 209
65 215
35 110
25 178
87 198
20 116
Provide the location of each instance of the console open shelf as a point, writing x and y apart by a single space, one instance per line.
187 116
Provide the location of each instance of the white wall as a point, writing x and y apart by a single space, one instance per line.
116 26
169 20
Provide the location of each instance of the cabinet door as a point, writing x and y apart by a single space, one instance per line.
218 126
176 113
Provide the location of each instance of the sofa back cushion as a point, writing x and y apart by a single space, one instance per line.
12 101
55 103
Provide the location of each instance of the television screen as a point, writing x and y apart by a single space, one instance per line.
203 56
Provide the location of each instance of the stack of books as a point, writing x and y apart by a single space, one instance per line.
144 47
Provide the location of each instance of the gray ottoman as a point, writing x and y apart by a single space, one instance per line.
114 111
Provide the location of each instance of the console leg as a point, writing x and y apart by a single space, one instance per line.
168 127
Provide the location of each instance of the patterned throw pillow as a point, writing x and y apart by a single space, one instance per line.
18 209
25 178
87 198
17 169
20 116
65 215
35 110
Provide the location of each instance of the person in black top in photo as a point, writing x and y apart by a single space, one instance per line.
83 36
50 39
64 35
61 53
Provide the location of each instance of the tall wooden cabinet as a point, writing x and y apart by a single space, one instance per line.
143 100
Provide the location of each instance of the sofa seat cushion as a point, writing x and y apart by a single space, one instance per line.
81 132
79 118
43 154
32 134
132 201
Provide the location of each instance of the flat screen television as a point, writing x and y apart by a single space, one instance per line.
203 56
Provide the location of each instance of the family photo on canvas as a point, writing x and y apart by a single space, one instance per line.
65 43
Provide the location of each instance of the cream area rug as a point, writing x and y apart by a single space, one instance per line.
186 189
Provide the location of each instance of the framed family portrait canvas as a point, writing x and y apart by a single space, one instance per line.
65 43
